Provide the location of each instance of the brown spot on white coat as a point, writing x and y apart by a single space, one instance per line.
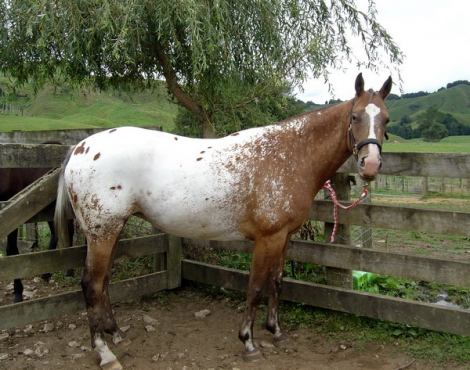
80 149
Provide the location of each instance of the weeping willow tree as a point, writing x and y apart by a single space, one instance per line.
214 55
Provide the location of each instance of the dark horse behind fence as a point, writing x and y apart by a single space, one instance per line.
12 181
257 184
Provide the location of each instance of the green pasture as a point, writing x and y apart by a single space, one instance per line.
451 144
59 109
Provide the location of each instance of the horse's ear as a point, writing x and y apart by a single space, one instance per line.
359 85
386 88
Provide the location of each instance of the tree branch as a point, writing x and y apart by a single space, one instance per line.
186 100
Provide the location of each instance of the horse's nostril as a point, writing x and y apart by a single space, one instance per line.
362 162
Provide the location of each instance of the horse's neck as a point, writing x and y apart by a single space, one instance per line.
328 145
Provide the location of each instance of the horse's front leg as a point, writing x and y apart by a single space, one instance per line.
267 252
254 294
95 280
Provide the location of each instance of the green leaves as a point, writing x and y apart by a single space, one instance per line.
200 47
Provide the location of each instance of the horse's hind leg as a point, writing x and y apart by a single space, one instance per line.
95 280
12 250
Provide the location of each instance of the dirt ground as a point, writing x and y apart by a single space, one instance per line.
169 336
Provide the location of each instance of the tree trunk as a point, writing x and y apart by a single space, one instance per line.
186 100
208 130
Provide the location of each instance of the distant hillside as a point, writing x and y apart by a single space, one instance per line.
455 101
58 108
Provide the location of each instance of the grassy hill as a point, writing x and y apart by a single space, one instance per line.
57 108
455 101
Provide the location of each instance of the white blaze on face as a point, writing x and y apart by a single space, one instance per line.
372 111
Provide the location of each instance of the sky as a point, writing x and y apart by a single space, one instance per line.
434 36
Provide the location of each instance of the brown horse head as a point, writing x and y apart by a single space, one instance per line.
367 127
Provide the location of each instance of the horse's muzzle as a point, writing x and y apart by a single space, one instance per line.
369 166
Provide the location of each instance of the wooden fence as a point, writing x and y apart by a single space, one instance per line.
68 137
341 259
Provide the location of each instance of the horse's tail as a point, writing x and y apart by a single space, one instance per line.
63 210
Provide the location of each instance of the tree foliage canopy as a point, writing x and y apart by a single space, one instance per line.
203 49
429 125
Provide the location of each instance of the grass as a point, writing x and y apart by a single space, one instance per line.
10 123
450 144
56 109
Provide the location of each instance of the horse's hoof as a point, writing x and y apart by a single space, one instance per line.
46 276
113 365
70 273
281 338
253 356
18 298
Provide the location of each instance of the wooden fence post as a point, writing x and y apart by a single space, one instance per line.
159 259
425 187
336 276
174 257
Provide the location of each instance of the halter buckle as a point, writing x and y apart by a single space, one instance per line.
355 151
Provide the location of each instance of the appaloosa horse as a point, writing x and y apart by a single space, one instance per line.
257 184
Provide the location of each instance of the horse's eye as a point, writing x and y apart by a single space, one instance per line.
354 118
387 120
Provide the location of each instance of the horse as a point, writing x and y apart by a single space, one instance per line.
12 181
257 184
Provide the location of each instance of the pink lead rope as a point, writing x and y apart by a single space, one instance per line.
336 204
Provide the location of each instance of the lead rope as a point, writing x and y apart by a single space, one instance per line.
336 204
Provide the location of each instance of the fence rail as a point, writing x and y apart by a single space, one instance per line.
31 264
343 257
425 315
